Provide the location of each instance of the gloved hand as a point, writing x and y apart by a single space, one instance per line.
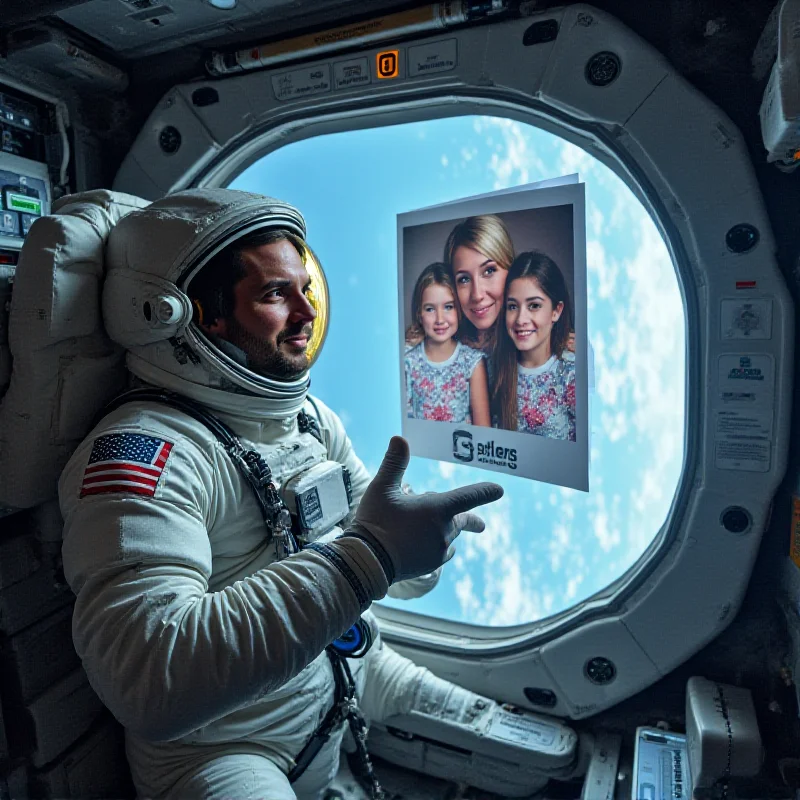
411 534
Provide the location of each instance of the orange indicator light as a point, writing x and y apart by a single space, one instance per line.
387 64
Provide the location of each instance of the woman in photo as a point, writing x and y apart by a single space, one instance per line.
445 379
534 389
479 252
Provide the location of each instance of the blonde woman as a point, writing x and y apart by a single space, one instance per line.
479 252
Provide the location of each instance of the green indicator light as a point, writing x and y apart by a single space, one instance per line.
28 205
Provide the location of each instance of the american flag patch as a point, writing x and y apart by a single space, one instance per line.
125 462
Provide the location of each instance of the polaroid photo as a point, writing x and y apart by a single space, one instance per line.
493 354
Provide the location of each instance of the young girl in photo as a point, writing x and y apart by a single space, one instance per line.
534 389
445 379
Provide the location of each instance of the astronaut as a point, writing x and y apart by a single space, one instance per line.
213 618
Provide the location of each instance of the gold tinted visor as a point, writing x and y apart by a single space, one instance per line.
319 299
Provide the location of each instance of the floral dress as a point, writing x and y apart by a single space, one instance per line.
439 390
546 399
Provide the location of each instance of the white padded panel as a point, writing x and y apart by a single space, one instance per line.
64 366
54 306
84 388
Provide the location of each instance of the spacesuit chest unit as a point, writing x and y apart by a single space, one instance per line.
314 490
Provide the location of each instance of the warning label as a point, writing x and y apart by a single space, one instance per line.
743 455
738 397
302 82
747 368
747 379
351 73
521 729
430 58
743 425
746 319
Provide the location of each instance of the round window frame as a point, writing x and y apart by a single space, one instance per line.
628 124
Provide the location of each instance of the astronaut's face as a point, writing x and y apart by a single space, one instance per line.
273 318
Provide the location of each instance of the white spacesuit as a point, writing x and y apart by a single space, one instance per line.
205 646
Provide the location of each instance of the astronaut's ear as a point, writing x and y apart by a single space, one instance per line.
218 327
215 326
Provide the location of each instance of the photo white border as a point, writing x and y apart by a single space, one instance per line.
554 461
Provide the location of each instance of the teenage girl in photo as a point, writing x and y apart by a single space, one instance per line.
445 379
534 390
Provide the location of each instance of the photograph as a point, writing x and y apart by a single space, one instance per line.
492 294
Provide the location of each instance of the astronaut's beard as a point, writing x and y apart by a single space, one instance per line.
267 358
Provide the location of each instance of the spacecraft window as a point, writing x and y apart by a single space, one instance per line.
545 548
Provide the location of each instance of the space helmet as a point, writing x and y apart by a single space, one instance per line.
152 257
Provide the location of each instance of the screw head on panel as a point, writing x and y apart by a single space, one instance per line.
600 670
603 68
742 238
736 519
169 140
545 698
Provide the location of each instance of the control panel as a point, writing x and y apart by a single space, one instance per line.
26 147
27 137
24 197
19 126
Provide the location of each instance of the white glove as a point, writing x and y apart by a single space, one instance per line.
416 587
411 534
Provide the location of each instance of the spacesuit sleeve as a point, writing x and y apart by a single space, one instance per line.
166 655
394 685
340 449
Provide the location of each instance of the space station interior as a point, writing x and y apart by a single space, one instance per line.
637 639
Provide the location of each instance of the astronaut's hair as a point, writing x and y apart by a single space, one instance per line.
212 289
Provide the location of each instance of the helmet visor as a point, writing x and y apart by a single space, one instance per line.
319 299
